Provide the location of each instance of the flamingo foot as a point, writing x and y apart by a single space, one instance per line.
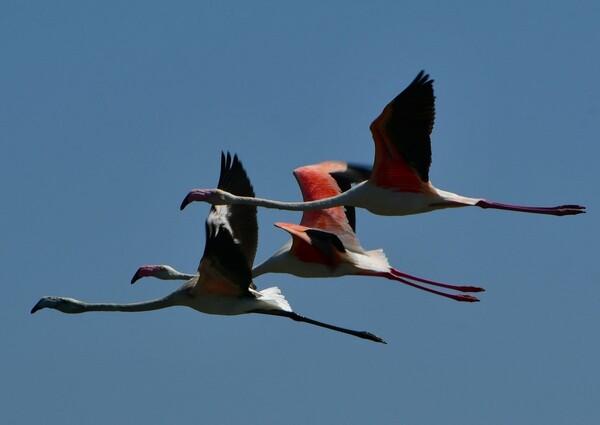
470 289
465 298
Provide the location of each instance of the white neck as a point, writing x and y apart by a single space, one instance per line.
346 198
132 307
70 305
177 275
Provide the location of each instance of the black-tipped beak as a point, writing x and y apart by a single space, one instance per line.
136 277
185 202
36 307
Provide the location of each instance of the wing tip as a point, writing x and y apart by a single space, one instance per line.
233 176
422 78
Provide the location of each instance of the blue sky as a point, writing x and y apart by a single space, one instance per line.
112 111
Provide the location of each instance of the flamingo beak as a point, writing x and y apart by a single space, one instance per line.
37 307
143 271
194 196
137 276
185 202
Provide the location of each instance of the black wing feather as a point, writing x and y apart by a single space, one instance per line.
241 218
226 255
232 230
411 123
327 243
325 240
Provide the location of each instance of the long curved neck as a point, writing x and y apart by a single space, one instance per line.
132 307
176 275
346 198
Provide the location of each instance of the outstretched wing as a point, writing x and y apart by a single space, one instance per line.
240 219
317 182
231 237
223 269
402 138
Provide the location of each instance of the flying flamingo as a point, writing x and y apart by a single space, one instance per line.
223 284
324 244
399 184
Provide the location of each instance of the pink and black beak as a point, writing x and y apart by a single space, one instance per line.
194 196
144 271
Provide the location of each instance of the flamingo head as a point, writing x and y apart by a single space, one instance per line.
65 305
212 196
160 272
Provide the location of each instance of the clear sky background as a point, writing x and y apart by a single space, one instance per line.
112 111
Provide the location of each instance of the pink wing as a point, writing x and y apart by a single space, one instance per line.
316 183
402 138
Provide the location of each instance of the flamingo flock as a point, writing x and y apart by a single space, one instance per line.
324 244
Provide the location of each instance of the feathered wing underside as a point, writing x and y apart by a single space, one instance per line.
231 237
402 138
240 219
223 269
318 182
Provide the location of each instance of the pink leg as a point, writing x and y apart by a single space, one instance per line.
558 211
456 297
398 273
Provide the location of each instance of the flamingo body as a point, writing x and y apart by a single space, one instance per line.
394 202
309 260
